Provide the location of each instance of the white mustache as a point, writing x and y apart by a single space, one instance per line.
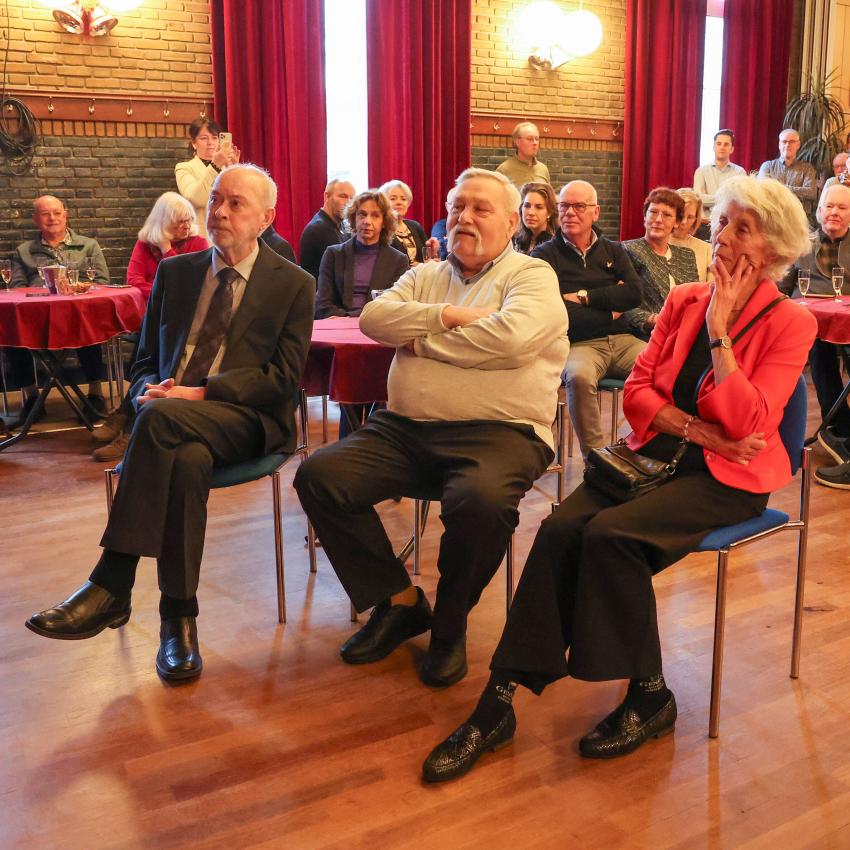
466 229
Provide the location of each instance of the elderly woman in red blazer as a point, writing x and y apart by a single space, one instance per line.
587 584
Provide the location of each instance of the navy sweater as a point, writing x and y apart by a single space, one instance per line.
606 273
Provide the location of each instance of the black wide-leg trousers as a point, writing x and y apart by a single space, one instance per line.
160 506
587 584
478 470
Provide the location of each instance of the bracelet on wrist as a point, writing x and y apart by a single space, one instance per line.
686 428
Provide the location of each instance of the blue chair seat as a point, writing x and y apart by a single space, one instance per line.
721 538
239 473
611 384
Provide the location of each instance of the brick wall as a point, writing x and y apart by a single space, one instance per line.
109 184
600 163
502 80
160 48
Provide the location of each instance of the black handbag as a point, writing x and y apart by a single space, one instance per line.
622 474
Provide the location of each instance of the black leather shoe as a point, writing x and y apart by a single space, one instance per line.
459 752
13 423
388 627
179 657
837 477
85 613
622 731
444 665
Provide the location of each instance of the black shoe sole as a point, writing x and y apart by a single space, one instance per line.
114 624
178 675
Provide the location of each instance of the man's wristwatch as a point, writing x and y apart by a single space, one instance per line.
582 297
723 342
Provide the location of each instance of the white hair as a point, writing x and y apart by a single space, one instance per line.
167 210
591 190
512 199
781 217
269 197
841 187
397 184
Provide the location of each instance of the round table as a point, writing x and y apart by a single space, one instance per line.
345 364
833 318
50 325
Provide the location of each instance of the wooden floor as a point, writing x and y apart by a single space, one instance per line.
281 745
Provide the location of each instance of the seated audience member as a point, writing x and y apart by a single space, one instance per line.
278 244
480 342
223 346
169 230
829 247
196 176
55 244
586 587
538 216
409 236
351 271
660 264
684 232
325 227
839 170
598 284
523 166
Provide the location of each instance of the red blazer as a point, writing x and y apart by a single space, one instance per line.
145 259
770 356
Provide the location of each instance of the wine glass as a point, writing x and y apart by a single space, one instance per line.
39 267
804 278
837 282
91 269
6 272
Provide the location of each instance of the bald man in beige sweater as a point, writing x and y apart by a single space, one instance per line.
481 341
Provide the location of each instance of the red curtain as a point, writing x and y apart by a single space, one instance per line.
665 45
269 85
419 58
754 89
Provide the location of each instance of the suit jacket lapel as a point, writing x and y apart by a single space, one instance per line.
188 291
348 272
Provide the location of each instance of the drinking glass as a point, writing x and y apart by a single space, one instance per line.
39 266
837 282
6 272
91 269
430 252
804 277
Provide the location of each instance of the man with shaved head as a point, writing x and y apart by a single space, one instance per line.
325 227
830 247
222 349
797 175
598 284
56 244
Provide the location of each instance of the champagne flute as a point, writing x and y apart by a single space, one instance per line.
91 269
6 272
804 277
837 282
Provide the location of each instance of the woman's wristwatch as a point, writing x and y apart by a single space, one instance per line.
723 342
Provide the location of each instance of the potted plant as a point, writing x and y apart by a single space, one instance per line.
819 119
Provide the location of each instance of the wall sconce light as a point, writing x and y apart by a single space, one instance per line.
88 17
553 38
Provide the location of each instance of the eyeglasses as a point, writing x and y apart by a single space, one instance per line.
579 208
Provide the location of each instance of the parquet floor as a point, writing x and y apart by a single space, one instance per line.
280 745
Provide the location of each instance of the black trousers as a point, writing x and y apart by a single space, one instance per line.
21 366
160 507
587 583
478 470
826 376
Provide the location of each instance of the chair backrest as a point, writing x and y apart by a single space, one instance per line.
792 428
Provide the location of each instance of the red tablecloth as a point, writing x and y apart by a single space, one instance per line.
345 364
833 319
68 321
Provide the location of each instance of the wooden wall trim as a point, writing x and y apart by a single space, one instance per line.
128 109
562 127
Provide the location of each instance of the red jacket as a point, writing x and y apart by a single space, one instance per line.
145 258
770 356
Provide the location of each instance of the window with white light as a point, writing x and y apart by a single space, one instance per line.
711 76
345 91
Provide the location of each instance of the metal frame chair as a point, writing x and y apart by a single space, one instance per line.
420 511
608 385
253 470
792 430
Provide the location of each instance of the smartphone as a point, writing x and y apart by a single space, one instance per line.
225 140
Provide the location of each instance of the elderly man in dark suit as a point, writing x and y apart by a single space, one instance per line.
222 350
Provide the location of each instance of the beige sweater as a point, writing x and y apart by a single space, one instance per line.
505 367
